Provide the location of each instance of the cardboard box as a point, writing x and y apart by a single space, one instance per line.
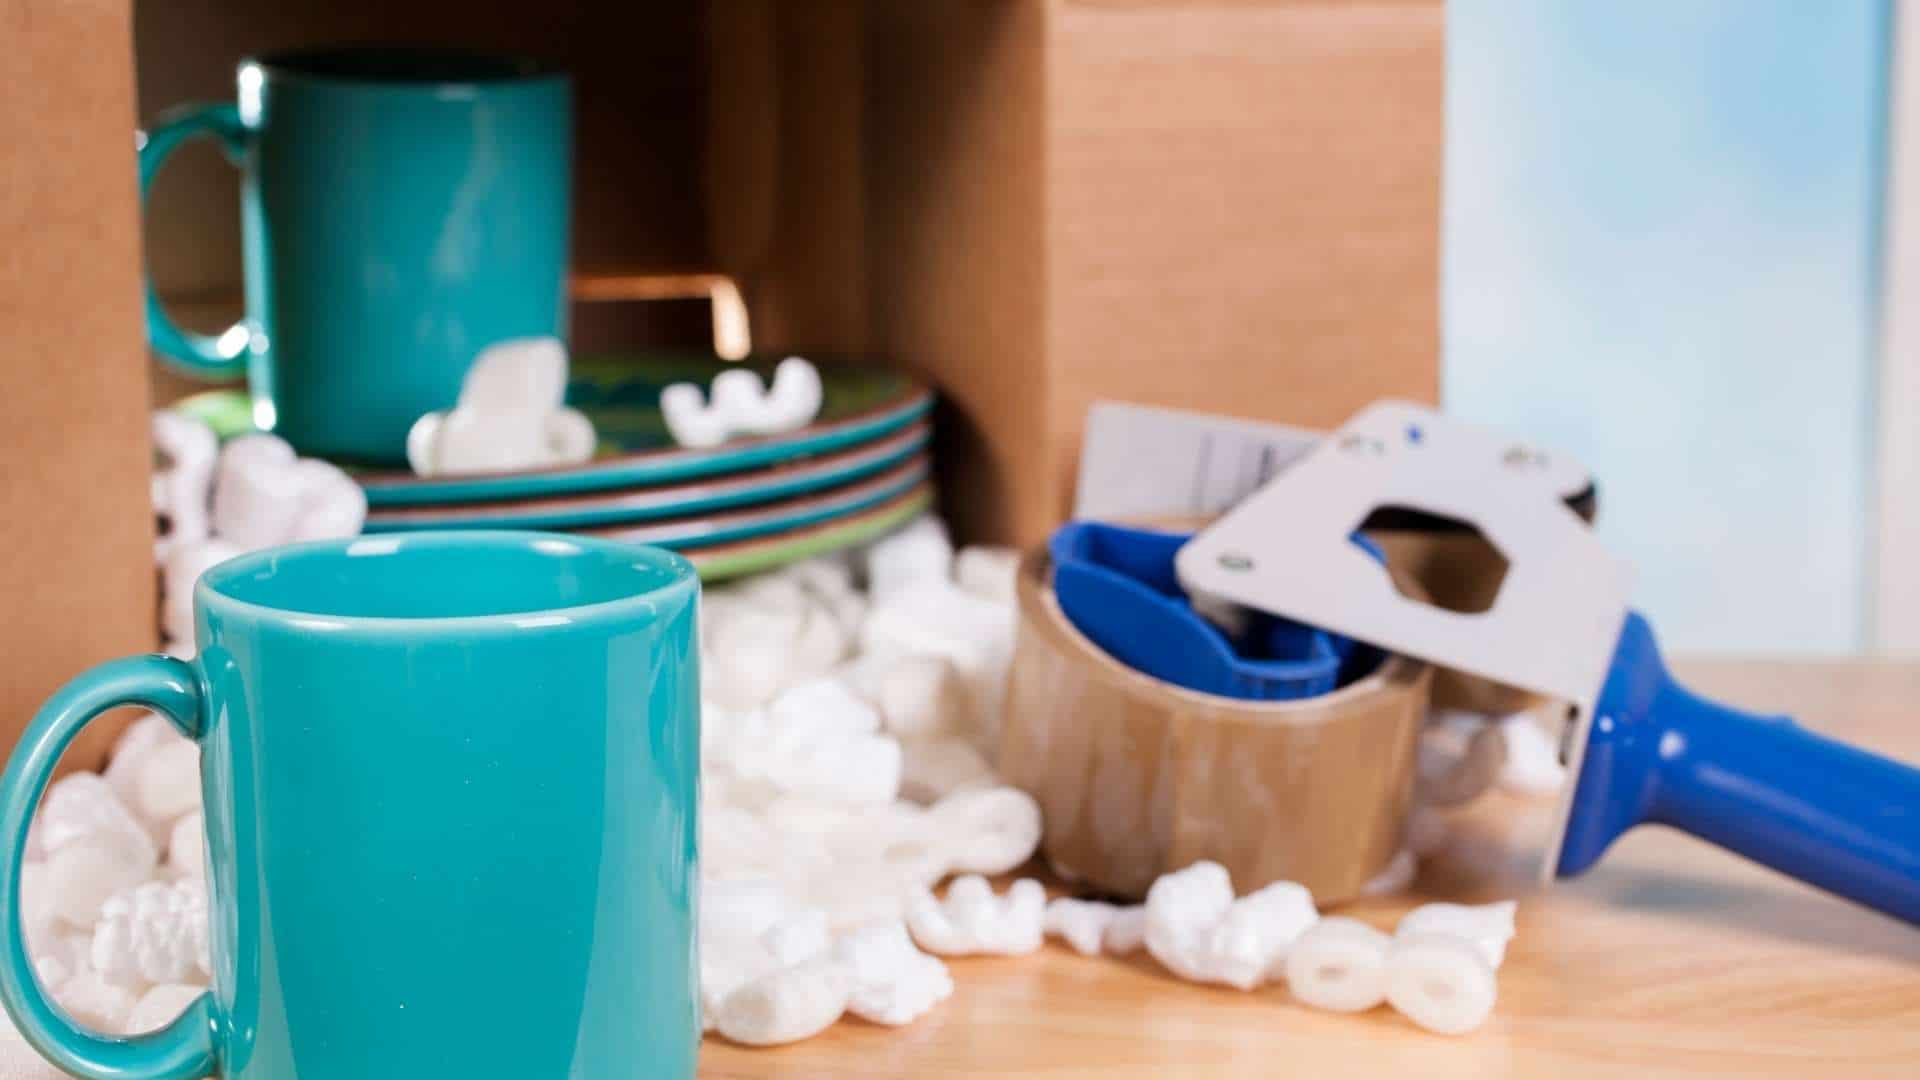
1226 207
77 576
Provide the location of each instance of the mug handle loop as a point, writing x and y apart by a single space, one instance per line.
203 356
184 1049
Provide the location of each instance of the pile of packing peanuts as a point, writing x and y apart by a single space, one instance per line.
851 707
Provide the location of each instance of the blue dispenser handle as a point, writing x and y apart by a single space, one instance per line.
1819 810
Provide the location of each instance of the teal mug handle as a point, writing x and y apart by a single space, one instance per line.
184 1049
217 356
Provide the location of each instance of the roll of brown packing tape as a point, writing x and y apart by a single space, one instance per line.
1461 572
1138 777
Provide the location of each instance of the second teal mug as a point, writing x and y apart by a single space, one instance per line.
451 782
401 209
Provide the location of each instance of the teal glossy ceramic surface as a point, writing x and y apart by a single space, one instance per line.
451 782
587 509
681 534
621 395
401 210
722 562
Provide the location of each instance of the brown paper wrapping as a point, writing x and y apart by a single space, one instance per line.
1137 777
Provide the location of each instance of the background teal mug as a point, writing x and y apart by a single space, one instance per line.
450 785
400 210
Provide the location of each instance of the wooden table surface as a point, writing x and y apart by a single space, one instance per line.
1670 957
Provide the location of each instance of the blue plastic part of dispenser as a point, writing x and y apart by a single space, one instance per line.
1827 813
1116 584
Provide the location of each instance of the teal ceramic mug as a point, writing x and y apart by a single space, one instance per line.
401 210
450 784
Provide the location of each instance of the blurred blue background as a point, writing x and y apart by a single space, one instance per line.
1662 248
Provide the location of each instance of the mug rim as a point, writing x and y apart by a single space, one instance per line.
516 69
207 593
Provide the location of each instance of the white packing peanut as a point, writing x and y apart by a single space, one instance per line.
869 871
890 981
988 572
719 735
510 416
1489 926
1532 765
94 846
1339 964
180 487
67 954
822 575
748 652
145 735
903 839
186 849
987 830
934 617
920 696
1196 929
823 706
1128 931
825 823
1440 982
80 878
856 768
784 1006
689 419
970 919
746 907
1183 907
151 933
857 861
727 962
798 938
52 972
95 1002
745 676
828 581
754 595
767 634
1083 924
182 567
858 893
36 908
734 841
736 394
822 643
168 784
789 403
265 494
1251 943
932 769
917 553
159 1005
739 404
816 740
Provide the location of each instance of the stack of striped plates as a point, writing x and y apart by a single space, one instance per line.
861 468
